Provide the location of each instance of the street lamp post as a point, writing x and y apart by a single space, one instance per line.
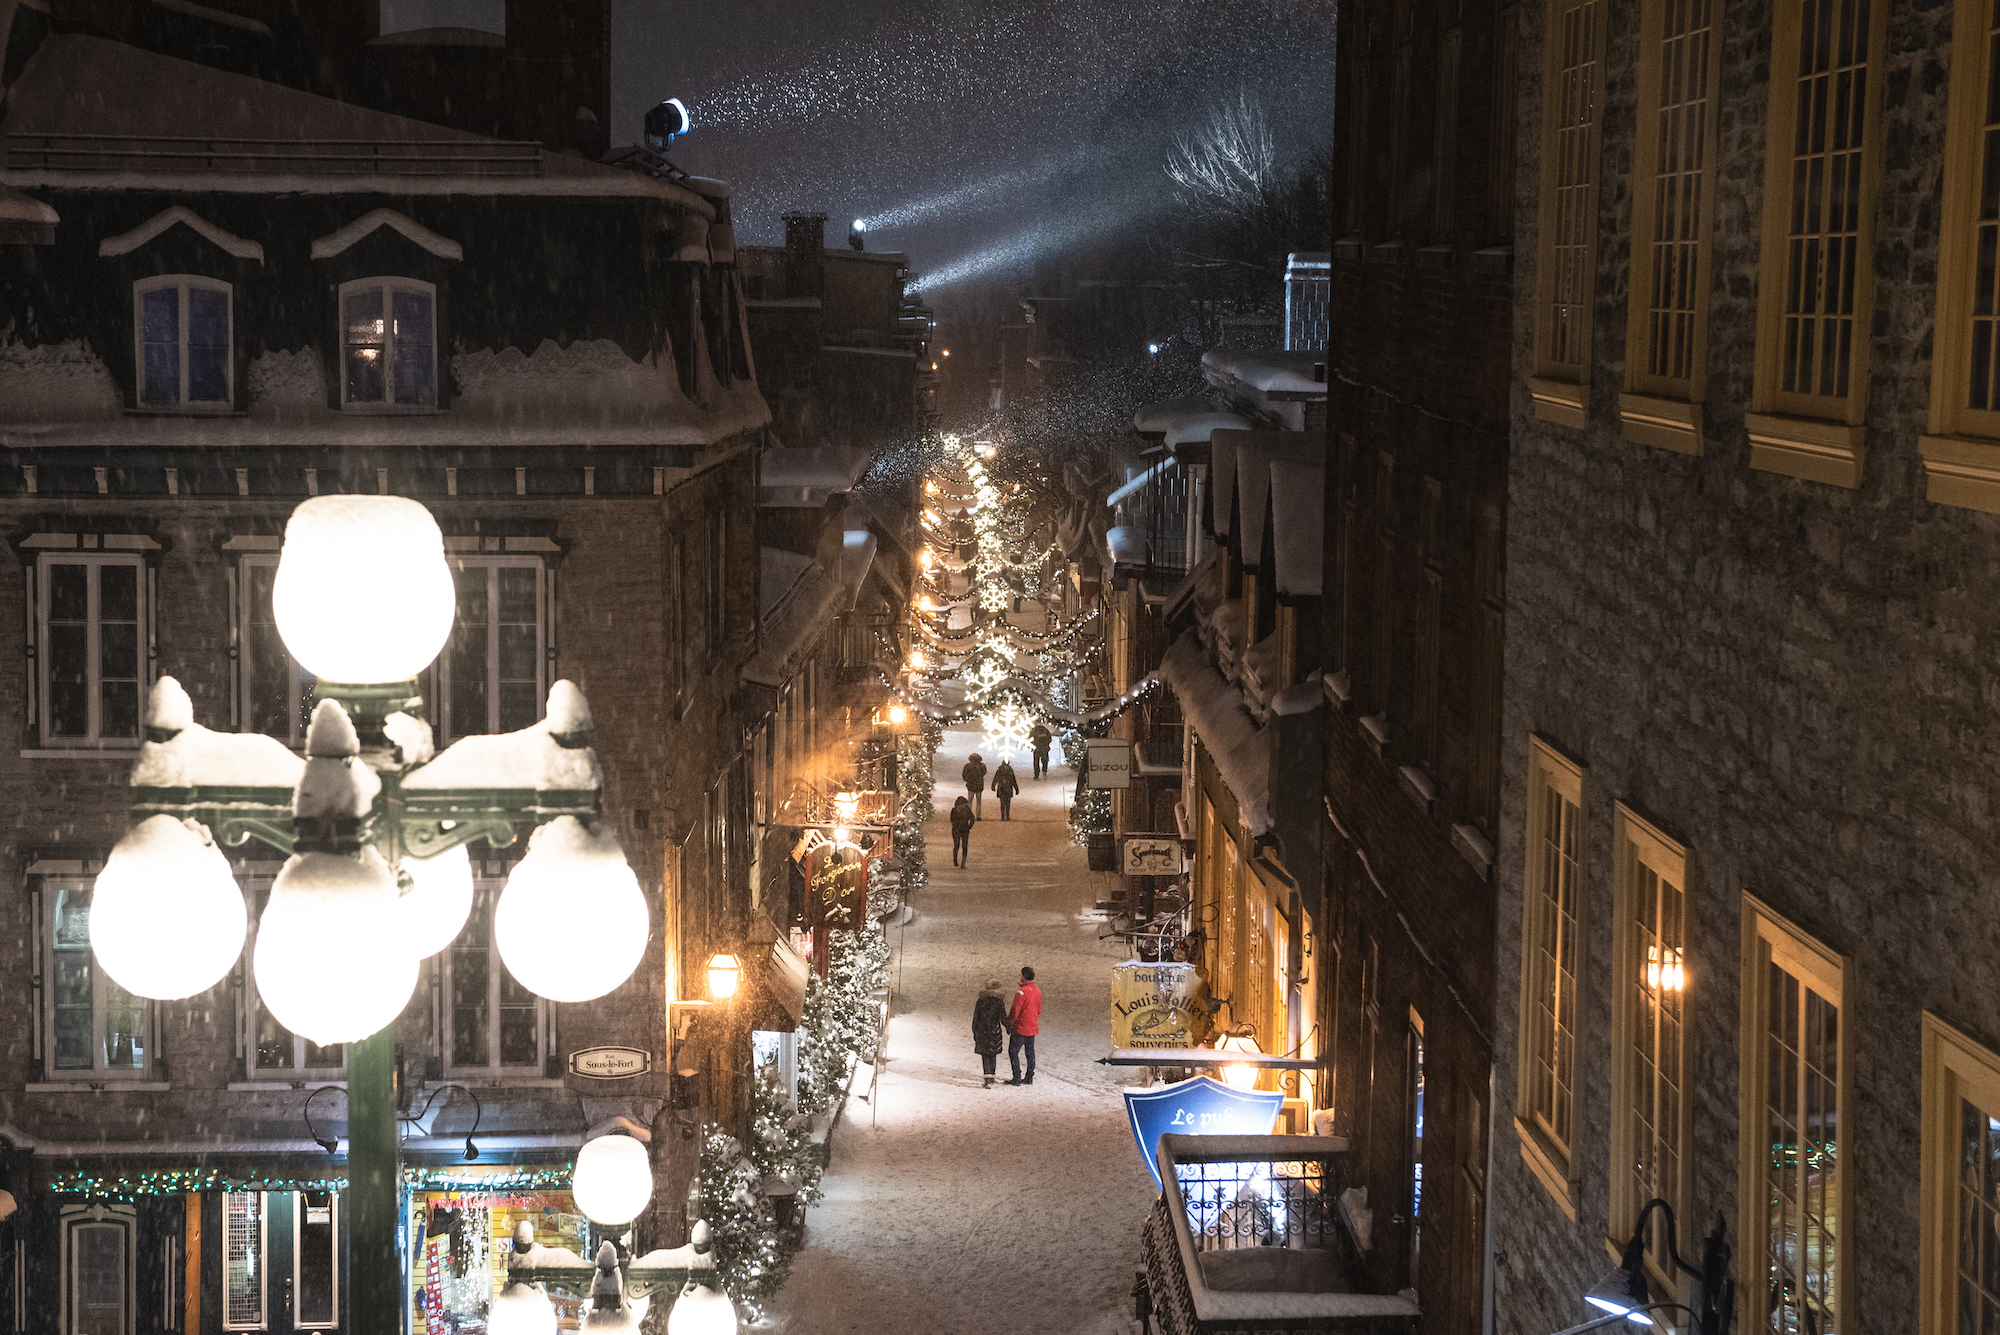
373 824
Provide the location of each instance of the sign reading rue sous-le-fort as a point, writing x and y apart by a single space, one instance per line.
610 1063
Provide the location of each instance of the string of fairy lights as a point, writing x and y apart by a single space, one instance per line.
106 1186
979 556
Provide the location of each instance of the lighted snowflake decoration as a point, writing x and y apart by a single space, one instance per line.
1006 731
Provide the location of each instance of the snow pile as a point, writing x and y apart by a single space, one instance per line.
1268 371
591 382
16 206
1194 428
1153 419
56 381
279 378
335 785
196 756
530 758
412 738
568 715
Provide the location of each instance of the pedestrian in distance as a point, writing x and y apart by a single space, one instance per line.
1024 1021
974 775
1005 785
989 1022
961 832
1039 739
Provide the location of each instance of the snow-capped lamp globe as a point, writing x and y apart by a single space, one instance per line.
700 1310
341 553
167 918
572 923
521 1309
334 910
613 1180
438 901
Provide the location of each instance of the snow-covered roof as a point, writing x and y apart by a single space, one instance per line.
1125 545
589 393
86 100
127 242
1152 419
1255 452
1298 520
795 619
1241 750
857 554
807 477
777 571
1267 371
1194 428
334 242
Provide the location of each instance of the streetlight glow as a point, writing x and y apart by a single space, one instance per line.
330 963
167 919
723 973
438 902
613 1180
340 554
572 922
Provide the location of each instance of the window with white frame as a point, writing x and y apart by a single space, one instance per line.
96 1029
277 692
90 612
315 1260
182 342
98 1267
388 343
493 1025
491 676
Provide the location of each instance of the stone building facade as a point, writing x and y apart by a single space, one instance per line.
1419 315
1745 875
188 352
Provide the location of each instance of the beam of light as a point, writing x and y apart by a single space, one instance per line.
971 193
1024 248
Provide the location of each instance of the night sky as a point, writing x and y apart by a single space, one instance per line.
977 137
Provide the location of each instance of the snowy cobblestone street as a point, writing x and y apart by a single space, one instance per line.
963 1210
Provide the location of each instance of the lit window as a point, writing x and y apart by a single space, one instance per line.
183 344
97 1030
1960 1251
1793 1171
491 676
90 611
244 1283
1649 1109
1549 950
388 344
495 1023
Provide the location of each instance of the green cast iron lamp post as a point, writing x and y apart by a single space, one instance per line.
374 827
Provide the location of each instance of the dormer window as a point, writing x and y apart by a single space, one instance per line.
388 344
182 325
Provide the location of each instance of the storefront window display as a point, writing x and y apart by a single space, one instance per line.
460 1242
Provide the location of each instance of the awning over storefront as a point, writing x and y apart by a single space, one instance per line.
776 999
1241 750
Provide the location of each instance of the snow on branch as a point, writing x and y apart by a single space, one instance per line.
1228 164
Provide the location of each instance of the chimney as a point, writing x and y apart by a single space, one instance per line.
805 255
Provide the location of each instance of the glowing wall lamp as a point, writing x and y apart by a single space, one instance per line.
1240 1076
723 974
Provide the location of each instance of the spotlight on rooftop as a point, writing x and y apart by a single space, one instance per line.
663 122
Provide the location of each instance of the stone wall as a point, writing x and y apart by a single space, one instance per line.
1794 680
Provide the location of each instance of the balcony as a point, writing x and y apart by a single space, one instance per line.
1252 1233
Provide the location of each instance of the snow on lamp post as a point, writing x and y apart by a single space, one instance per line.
374 827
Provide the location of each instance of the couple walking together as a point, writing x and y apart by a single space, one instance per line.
1023 1020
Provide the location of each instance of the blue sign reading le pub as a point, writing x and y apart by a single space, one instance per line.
1203 1106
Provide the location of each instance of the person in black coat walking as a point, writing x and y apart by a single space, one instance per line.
989 1023
1005 785
1039 739
961 832
974 775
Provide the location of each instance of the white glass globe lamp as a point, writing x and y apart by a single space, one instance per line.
438 902
572 922
167 919
700 1310
613 1179
330 961
521 1309
363 593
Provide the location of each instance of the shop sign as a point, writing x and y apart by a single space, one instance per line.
1157 1005
610 1063
1153 857
1203 1106
1107 763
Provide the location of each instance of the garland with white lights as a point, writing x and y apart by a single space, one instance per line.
182 1181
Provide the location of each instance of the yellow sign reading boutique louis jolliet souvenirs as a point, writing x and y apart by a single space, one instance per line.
1157 1005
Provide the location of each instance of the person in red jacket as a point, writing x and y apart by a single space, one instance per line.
1024 1021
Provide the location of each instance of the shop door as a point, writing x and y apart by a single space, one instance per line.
281 1262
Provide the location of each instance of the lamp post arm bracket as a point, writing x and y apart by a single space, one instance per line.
233 815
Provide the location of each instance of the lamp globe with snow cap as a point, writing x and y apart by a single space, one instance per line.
340 554
613 1180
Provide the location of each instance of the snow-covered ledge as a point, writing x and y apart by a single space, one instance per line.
1225 1308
